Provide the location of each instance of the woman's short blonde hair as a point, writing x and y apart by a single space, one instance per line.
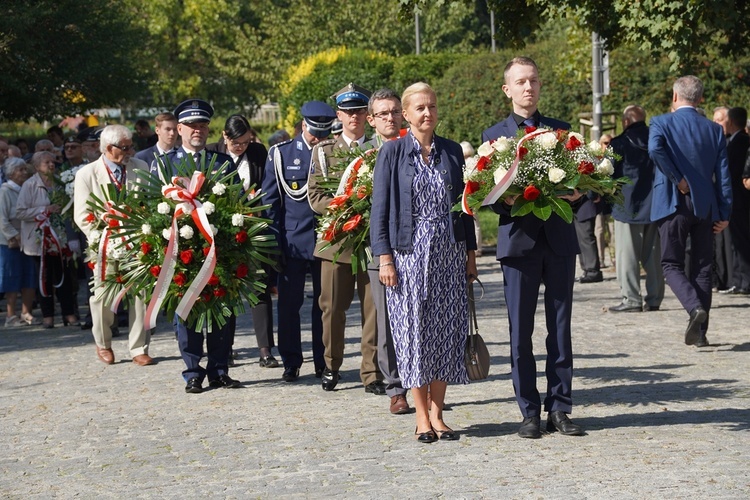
416 88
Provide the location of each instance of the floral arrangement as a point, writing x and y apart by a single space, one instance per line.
63 193
538 167
192 244
347 221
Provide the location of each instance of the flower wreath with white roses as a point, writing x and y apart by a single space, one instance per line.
194 244
538 167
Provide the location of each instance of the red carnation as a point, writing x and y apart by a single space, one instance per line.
219 292
241 237
531 193
482 163
573 143
472 187
522 151
186 256
90 217
529 129
180 279
155 271
242 271
586 168
213 280
113 222
330 234
145 248
352 223
361 192
91 265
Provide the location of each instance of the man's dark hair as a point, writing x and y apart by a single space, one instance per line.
384 93
738 117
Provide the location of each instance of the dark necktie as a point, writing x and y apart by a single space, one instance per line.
529 122
117 174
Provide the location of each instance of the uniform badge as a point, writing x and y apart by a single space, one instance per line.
295 185
299 146
297 161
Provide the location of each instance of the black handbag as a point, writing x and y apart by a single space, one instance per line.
477 356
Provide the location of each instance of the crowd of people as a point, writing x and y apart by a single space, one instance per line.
684 220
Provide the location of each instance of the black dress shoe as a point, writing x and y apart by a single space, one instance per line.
648 308
702 341
330 379
377 387
290 374
530 428
558 420
319 372
693 332
194 386
625 307
268 362
224 381
591 278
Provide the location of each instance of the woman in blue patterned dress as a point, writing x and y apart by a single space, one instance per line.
426 257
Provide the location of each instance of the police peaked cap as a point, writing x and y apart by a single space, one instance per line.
319 117
352 97
90 134
193 110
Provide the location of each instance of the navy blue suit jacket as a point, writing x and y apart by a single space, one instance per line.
293 221
636 165
517 235
176 156
391 223
684 144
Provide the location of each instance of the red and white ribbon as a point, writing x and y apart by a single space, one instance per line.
49 236
510 176
183 190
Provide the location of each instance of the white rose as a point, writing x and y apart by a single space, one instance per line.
595 147
605 167
186 232
547 141
238 220
499 173
163 208
94 237
556 175
485 149
471 166
209 208
501 145
146 229
219 189
166 233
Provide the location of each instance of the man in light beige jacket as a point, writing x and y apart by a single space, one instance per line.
115 166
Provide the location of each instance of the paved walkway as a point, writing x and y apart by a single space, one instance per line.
664 420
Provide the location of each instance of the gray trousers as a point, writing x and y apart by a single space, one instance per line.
636 245
386 352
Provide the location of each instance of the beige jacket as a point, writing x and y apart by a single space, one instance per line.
32 201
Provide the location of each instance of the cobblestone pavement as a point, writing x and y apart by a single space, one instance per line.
663 419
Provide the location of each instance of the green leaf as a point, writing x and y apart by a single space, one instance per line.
542 209
562 208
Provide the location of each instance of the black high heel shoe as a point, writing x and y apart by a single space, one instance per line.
425 437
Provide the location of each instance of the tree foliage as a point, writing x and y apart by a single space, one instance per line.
63 56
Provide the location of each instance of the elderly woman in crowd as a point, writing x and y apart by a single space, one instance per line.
238 141
33 208
17 269
426 257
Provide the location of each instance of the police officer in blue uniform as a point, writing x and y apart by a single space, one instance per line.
285 190
193 117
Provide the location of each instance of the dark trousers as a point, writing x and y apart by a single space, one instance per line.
722 260
386 352
218 347
589 258
739 227
691 290
291 297
522 278
55 270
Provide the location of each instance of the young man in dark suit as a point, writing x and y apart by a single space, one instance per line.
692 197
533 251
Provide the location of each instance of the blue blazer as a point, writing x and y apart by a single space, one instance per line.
684 144
636 165
517 236
391 224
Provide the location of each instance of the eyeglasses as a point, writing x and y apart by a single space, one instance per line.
239 144
358 111
385 114
124 148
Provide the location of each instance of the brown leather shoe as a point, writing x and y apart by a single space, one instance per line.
143 360
106 355
399 405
